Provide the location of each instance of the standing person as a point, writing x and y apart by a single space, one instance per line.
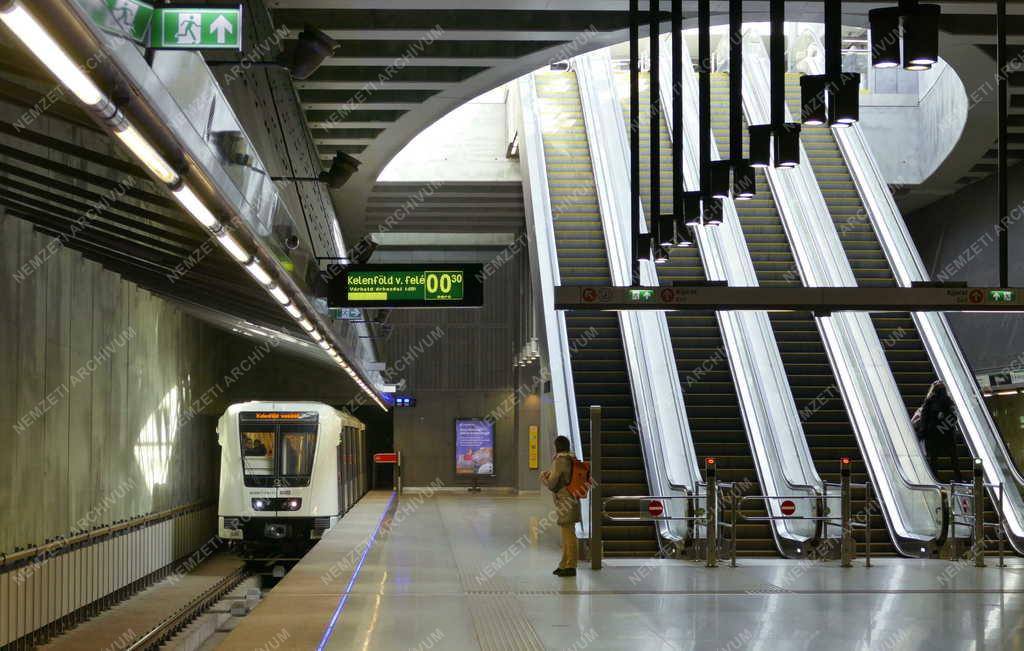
566 505
938 426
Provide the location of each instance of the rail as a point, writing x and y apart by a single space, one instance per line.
177 621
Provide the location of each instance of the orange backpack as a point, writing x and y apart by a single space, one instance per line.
579 483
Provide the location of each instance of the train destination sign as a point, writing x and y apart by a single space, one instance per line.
407 285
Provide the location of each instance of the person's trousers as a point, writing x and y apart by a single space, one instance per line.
570 548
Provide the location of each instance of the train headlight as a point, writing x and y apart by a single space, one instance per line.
258 505
293 505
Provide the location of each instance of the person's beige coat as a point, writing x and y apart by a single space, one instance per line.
557 480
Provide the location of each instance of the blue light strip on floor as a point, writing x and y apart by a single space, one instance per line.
355 575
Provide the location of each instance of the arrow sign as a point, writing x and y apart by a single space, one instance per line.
197 28
222 27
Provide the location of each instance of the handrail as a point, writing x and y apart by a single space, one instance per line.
771 420
865 380
669 456
544 255
980 430
61 542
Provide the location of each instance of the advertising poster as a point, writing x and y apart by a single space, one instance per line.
474 447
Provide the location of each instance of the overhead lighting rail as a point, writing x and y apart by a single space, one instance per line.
35 37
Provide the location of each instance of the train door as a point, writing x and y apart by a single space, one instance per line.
340 470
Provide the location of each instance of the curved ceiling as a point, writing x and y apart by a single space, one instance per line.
402 64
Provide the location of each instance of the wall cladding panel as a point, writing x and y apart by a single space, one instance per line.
96 370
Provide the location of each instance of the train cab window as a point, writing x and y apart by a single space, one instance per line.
258 452
298 445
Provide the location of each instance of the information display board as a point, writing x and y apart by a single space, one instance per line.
406 285
474 447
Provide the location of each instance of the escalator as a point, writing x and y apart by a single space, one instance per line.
904 350
829 432
599 371
712 406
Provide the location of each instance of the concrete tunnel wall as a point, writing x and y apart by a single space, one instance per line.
96 376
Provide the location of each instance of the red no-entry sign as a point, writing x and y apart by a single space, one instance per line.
385 457
787 507
655 508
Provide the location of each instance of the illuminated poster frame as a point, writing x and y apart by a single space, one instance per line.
474 447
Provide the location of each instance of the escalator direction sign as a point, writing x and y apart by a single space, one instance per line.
406 285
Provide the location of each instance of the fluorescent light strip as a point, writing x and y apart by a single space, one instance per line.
279 295
196 207
294 311
306 325
233 247
24 26
317 337
259 273
144 151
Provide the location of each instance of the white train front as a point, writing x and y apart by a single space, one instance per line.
289 470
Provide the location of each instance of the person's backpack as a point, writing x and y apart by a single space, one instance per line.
917 422
579 483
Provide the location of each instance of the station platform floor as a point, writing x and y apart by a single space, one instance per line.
473 572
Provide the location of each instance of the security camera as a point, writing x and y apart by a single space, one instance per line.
291 242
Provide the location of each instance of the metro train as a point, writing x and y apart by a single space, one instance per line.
289 472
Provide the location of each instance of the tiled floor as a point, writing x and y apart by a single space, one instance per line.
472 571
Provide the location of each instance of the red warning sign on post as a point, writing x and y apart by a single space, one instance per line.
788 507
655 508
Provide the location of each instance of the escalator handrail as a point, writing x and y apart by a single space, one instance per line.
556 337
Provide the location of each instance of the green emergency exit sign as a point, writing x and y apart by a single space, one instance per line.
1002 295
132 17
182 28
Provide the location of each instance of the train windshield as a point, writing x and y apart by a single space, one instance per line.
298 443
276 453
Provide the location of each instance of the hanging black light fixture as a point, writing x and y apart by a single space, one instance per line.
744 184
834 97
844 100
785 135
692 212
814 99
720 181
884 27
921 37
641 242
680 235
714 212
907 35
759 145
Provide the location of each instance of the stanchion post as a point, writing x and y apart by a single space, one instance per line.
867 523
733 497
711 512
596 499
1002 561
979 514
846 533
